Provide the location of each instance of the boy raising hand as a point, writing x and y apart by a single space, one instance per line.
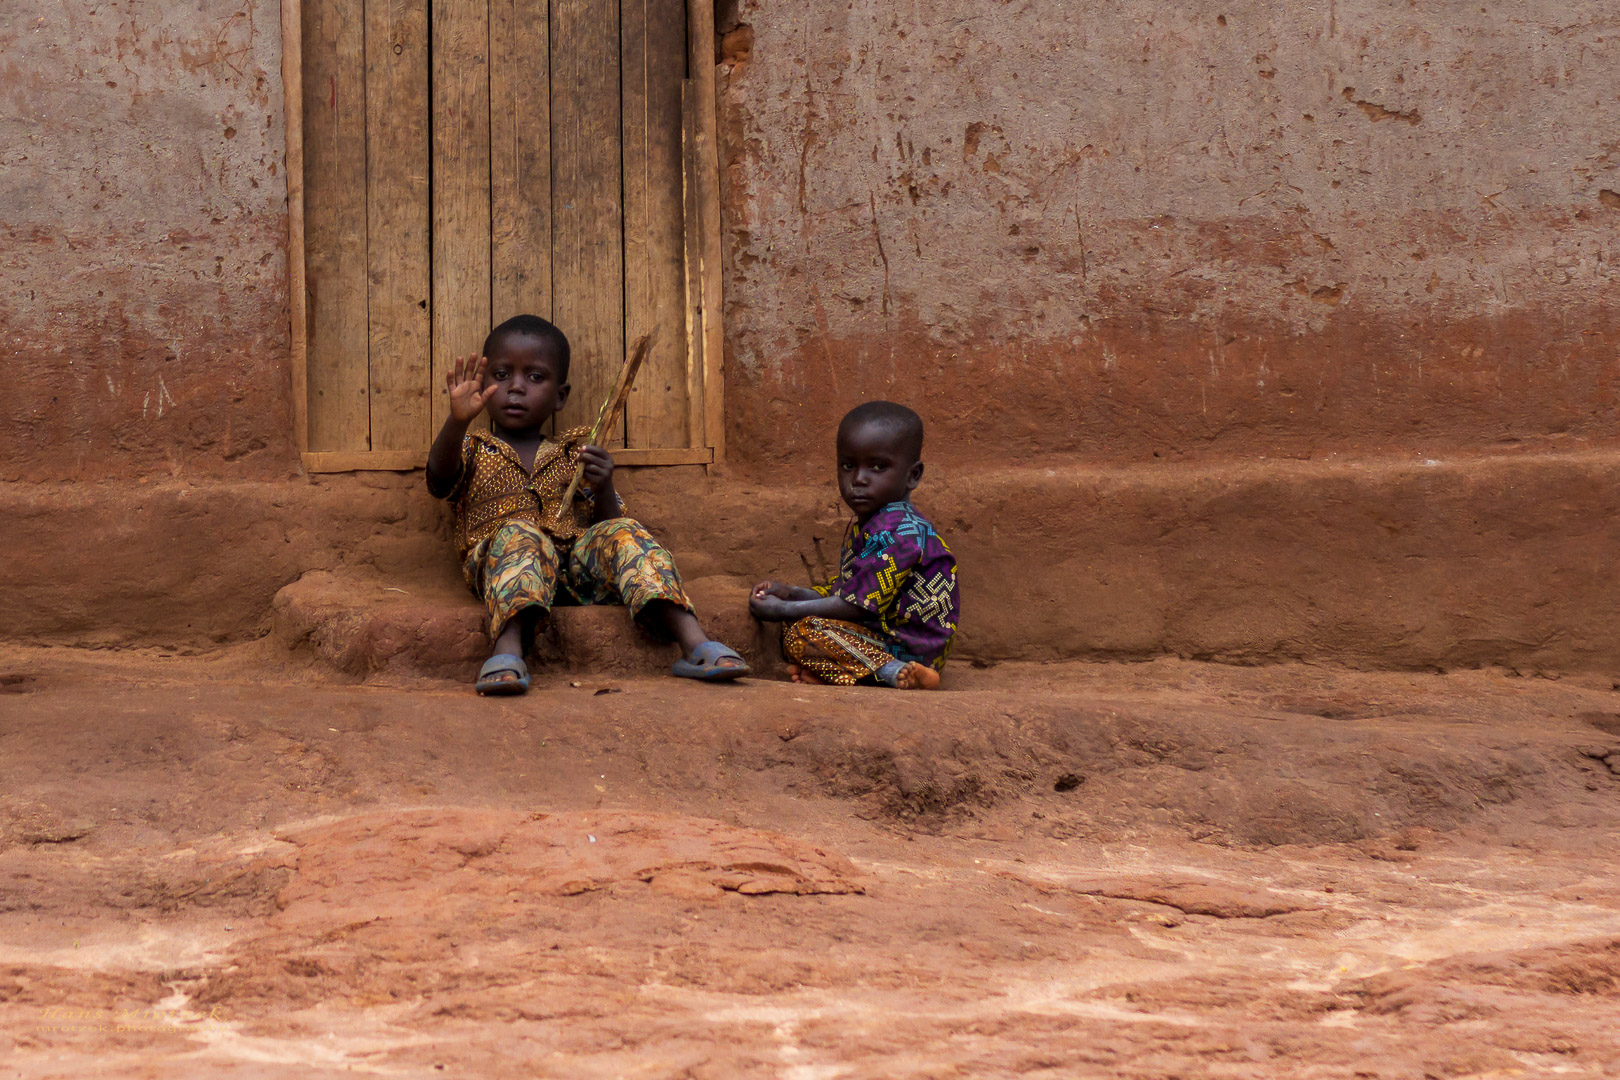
522 551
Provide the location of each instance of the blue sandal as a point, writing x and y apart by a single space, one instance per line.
488 684
704 664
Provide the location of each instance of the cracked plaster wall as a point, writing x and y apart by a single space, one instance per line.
143 298
1110 231
1214 228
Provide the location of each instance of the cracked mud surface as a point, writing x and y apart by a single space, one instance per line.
1153 870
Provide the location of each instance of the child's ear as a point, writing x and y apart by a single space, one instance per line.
562 394
914 477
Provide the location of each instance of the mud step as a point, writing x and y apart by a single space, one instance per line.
363 624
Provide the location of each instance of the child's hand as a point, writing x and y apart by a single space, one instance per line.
598 467
768 607
773 588
464 382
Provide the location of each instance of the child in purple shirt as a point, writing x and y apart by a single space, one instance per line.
891 613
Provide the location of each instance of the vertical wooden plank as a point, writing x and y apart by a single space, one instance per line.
292 88
700 59
692 263
586 209
653 69
701 45
397 222
461 211
520 158
335 223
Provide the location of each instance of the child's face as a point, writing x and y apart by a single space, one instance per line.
524 372
874 468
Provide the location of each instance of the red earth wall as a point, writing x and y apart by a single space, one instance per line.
1117 231
1122 257
1231 228
143 314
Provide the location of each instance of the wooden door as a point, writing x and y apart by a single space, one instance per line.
463 161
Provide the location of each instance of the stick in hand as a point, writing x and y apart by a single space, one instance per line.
609 414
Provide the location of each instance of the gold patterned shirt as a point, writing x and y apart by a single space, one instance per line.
494 488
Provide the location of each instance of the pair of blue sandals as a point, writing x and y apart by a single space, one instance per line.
704 665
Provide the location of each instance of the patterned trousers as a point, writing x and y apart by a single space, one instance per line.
835 651
614 561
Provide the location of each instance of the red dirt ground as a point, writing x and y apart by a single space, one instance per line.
221 867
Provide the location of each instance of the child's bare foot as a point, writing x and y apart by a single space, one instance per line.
800 675
915 676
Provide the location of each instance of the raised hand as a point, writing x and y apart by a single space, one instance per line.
464 382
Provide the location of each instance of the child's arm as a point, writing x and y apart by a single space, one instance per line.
769 606
785 592
464 382
599 478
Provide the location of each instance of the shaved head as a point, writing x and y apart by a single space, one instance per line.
533 326
898 423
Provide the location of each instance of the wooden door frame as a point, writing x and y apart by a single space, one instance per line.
705 335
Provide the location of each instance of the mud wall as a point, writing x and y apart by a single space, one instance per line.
1122 258
1111 231
143 300
1505 561
1127 231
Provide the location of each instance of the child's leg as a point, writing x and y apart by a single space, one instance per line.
833 651
518 631
619 559
516 574
908 675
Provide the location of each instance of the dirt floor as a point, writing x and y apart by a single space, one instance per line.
1156 870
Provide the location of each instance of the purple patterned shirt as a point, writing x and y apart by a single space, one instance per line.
898 570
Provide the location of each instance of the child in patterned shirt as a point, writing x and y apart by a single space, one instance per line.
889 616
523 551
